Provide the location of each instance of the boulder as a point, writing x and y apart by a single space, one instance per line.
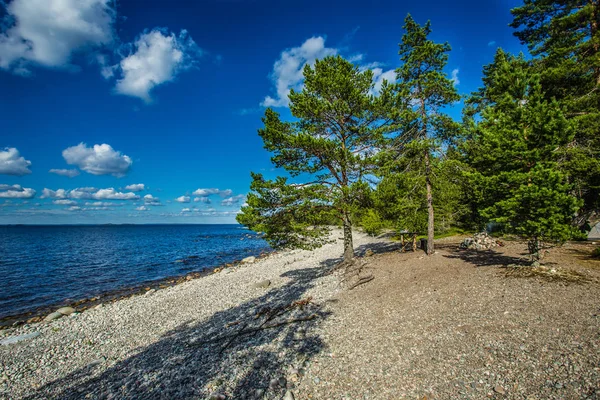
262 284
66 310
53 316
249 260
289 395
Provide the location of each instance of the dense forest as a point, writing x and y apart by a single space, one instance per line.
524 159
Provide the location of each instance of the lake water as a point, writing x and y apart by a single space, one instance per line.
47 265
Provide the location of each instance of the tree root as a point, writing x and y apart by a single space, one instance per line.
361 281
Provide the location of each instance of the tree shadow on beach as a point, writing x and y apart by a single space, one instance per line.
275 332
486 258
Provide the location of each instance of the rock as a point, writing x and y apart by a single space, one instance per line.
18 338
53 316
499 389
479 241
249 260
369 253
262 284
260 393
217 396
289 395
149 292
66 310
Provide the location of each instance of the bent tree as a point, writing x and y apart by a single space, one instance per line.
327 151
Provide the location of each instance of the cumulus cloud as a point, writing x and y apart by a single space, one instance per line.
205 200
48 32
186 210
287 71
88 194
12 163
208 192
71 173
16 192
136 187
101 159
65 202
142 208
157 57
230 201
150 200
183 199
454 78
379 76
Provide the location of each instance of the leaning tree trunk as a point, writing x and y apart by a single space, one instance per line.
430 211
348 245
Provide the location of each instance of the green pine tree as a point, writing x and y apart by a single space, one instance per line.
516 153
564 37
424 91
327 151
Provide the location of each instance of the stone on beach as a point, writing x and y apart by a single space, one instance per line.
262 284
18 338
53 316
66 310
249 260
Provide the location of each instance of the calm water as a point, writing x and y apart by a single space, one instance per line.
46 265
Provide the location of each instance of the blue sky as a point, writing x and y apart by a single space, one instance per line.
147 112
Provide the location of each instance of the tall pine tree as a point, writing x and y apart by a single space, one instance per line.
564 36
424 91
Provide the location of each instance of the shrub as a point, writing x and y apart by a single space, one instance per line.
372 223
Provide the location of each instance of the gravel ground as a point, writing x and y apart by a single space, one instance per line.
449 326
180 342
455 326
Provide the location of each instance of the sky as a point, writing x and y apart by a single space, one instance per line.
142 112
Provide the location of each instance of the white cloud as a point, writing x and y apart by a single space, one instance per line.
89 194
183 199
186 210
287 71
379 76
150 200
208 192
64 202
71 173
492 43
102 204
48 32
16 192
101 159
202 200
10 187
12 163
454 78
158 58
136 187
233 200
142 208
74 208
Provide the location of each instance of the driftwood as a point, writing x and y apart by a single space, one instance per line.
361 281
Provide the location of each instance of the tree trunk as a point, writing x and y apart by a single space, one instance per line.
430 211
348 245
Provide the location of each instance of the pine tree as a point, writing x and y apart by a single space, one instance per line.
424 91
516 153
330 146
564 36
